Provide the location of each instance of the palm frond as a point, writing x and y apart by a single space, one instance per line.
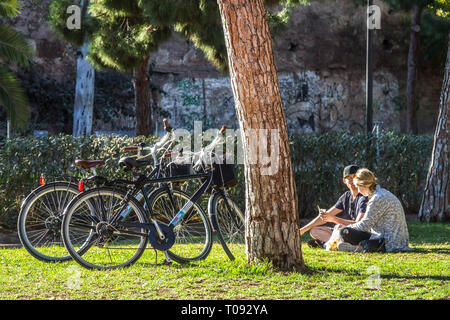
14 47
9 8
13 99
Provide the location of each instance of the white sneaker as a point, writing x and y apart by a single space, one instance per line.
345 246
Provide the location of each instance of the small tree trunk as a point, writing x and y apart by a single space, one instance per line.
272 226
141 83
84 94
436 188
8 129
411 105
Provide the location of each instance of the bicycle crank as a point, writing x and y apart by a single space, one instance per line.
156 241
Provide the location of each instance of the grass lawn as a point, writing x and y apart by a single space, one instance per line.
423 273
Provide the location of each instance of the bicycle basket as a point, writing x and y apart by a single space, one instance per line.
224 175
177 169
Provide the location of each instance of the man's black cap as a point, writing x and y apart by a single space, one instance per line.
351 169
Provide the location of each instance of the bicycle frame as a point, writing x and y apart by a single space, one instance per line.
141 183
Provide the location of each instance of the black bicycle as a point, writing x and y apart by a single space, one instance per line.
116 227
40 216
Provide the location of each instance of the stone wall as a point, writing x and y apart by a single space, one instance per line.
312 102
321 63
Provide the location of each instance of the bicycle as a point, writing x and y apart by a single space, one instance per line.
227 220
40 215
117 228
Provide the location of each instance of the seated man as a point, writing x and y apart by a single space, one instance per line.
349 209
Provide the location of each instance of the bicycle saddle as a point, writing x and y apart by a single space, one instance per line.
87 164
129 163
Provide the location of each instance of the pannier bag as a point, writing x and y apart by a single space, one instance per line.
224 174
177 169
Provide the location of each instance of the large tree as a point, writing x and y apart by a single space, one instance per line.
243 47
121 38
61 19
272 226
433 206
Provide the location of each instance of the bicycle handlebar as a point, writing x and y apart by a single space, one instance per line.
217 140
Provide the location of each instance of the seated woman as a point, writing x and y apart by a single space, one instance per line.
384 218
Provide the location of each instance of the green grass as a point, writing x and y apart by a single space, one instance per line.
421 274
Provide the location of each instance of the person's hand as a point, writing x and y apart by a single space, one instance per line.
327 217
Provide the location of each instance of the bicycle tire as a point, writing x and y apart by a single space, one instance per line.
82 215
39 220
228 222
193 236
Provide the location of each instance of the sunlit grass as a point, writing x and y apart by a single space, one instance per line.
423 273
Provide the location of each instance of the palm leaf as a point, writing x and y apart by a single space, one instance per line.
9 8
14 47
13 99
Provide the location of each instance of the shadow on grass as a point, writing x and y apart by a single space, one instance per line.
311 271
430 250
165 264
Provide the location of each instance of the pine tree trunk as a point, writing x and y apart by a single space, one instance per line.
272 222
411 105
141 83
84 94
433 206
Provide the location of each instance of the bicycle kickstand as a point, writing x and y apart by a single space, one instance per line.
167 261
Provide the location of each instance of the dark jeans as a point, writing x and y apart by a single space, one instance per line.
353 236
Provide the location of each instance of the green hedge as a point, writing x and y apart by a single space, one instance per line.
318 162
401 166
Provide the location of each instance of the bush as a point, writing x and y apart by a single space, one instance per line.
317 160
23 160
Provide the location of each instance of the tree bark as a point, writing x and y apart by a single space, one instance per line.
272 222
141 83
84 94
433 206
411 104
84 89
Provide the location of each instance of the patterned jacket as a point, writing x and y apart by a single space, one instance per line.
385 217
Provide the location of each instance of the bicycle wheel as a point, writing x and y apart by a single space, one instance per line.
39 221
192 234
229 223
96 243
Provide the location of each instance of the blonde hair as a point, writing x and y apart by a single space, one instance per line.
364 177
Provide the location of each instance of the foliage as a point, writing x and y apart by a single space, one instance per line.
9 8
123 37
23 160
13 49
200 22
57 18
435 25
434 33
317 161
441 7
51 101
